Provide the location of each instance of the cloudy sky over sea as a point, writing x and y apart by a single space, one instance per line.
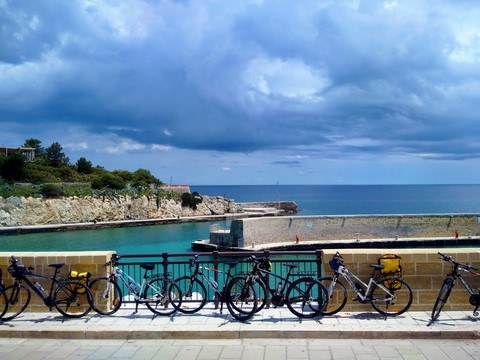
249 92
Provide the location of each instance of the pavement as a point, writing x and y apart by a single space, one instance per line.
272 334
269 323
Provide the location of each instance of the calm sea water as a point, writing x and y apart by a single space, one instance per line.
311 199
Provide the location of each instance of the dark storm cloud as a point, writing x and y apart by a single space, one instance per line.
339 78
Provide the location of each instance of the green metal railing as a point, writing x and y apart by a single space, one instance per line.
177 265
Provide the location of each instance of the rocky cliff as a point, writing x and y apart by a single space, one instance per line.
20 211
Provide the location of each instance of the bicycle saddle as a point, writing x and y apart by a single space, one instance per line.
291 266
57 266
147 266
377 267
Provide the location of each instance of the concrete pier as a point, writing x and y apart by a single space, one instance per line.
249 233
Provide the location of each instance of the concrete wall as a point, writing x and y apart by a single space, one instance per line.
91 261
267 230
423 270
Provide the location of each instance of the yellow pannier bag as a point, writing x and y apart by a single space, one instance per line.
392 268
81 277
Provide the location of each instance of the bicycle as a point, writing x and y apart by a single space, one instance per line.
71 298
449 282
3 297
152 291
240 298
388 294
305 297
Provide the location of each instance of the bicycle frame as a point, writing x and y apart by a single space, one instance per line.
219 295
456 274
47 300
367 288
265 274
135 288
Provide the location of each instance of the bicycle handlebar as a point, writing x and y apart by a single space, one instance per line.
456 263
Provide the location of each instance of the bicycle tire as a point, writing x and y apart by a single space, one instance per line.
337 296
306 298
161 297
18 297
107 295
194 294
73 299
241 298
442 298
262 294
3 304
403 297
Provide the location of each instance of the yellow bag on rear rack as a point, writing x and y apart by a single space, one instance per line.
392 270
79 277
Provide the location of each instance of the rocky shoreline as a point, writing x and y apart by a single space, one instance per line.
25 212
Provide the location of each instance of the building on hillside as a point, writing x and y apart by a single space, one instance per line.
175 188
28 152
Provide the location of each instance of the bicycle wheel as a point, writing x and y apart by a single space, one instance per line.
396 301
337 295
73 299
162 297
17 298
262 294
241 298
3 304
107 295
442 298
306 297
194 294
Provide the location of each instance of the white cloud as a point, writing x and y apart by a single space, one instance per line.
290 78
76 146
157 147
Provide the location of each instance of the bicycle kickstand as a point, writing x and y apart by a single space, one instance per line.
136 306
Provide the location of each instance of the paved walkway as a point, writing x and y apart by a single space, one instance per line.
269 323
244 349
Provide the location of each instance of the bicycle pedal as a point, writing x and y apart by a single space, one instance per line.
355 299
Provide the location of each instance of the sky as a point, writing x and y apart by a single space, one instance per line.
249 92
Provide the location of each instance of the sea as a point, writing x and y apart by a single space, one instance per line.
311 200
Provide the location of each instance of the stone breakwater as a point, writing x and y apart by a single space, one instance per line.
20 211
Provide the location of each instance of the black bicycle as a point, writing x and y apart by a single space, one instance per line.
449 282
71 298
305 297
3 297
240 297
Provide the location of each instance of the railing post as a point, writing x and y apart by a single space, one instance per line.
215 275
165 264
266 255
319 261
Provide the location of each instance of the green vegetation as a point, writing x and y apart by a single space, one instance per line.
191 200
51 175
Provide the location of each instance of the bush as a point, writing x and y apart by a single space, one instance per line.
51 191
191 200
108 180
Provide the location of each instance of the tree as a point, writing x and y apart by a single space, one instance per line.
143 177
84 166
108 180
36 144
12 167
55 156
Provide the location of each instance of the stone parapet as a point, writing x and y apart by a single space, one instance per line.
91 261
423 270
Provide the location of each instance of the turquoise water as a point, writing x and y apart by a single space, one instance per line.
311 199
132 240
